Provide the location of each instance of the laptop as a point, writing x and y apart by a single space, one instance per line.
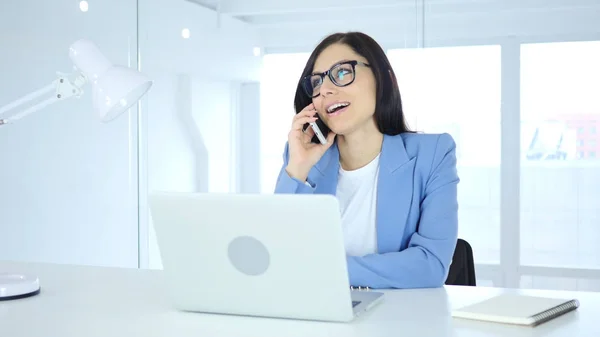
267 255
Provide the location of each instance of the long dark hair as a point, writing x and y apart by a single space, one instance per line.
389 115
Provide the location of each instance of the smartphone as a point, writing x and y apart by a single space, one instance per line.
318 133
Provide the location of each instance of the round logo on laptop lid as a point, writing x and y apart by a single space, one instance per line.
248 255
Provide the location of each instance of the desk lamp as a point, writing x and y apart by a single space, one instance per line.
114 90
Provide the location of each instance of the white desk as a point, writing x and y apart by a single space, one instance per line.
79 301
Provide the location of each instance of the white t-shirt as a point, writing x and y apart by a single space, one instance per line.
357 195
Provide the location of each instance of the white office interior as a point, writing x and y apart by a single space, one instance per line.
514 82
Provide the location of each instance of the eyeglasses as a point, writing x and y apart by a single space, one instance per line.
341 74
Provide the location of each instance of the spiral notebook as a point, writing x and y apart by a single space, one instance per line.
517 309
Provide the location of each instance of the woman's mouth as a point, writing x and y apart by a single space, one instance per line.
337 108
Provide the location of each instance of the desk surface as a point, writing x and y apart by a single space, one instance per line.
93 301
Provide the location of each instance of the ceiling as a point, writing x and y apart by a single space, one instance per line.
210 4
289 12
295 25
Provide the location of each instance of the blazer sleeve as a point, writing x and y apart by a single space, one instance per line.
426 260
288 185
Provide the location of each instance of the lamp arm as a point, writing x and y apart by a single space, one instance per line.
27 98
65 86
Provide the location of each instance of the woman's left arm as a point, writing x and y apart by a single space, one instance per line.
426 260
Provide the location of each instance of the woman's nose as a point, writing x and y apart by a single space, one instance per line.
328 88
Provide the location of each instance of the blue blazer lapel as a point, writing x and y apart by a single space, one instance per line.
394 188
394 193
325 172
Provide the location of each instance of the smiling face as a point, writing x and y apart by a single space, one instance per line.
345 109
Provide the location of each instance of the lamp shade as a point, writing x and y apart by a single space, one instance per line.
114 88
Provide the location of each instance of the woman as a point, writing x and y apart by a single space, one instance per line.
397 189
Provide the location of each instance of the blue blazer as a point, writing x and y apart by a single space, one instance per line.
417 210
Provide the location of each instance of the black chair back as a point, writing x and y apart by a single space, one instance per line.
462 269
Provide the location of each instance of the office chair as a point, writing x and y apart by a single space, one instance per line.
462 269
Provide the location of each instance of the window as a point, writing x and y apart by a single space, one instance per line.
457 90
563 283
560 190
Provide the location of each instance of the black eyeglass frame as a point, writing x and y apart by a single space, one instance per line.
327 73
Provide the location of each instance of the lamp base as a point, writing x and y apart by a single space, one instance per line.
16 286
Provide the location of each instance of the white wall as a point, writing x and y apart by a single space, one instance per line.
68 188
190 141
249 136
189 120
172 154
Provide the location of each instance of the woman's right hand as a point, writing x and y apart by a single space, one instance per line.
303 154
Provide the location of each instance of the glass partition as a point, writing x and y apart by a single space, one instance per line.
512 82
69 183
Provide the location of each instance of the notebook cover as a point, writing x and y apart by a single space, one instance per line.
517 309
